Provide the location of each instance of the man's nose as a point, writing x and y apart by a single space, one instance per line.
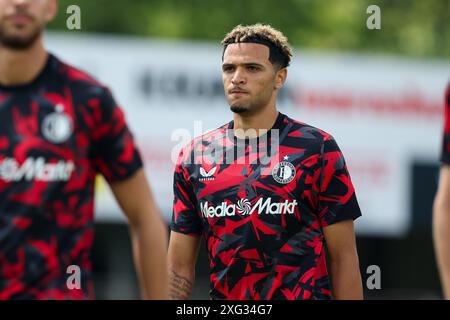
20 2
238 77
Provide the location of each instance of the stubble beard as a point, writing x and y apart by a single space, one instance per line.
16 42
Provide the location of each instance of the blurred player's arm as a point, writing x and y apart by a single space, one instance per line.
148 234
344 263
182 258
441 228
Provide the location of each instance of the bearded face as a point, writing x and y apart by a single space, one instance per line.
22 22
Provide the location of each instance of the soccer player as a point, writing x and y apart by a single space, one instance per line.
441 212
58 128
265 223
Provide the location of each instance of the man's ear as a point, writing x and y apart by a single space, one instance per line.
52 10
280 78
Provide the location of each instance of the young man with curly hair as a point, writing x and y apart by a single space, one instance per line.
266 192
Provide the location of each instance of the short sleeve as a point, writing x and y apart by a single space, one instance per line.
185 218
336 200
114 152
445 151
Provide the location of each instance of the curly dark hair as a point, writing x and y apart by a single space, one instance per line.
280 50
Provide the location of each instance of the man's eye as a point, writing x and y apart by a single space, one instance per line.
228 69
252 68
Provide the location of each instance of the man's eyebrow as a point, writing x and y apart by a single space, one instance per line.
246 64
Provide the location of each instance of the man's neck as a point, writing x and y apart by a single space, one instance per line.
259 122
19 67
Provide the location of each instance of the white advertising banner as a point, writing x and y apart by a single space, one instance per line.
384 112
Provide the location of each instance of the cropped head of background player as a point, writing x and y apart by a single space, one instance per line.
255 60
22 52
22 22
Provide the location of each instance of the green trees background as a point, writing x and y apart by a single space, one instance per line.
416 28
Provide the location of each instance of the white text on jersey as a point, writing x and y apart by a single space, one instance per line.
35 169
244 207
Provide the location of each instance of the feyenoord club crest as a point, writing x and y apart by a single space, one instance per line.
284 172
57 127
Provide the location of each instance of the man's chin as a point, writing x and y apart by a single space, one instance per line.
19 42
238 109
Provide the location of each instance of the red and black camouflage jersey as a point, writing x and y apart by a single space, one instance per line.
263 220
56 133
445 154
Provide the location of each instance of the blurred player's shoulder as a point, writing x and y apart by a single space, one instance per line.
78 79
73 73
447 96
447 112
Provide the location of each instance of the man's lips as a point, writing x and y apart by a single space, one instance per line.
20 18
238 91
